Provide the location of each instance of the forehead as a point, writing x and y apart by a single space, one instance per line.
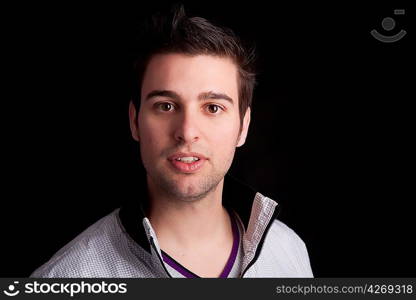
187 74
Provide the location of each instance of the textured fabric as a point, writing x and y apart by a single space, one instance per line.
105 249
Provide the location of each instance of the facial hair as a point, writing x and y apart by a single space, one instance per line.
170 186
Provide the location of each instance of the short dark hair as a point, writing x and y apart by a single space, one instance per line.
175 32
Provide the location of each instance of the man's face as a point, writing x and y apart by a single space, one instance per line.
188 124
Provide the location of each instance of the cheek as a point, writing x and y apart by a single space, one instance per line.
226 131
224 139
152 136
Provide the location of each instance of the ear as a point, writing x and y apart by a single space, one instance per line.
244 130
134 124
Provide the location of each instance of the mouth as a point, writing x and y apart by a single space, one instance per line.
187 162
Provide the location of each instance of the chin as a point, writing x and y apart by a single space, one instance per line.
192 186
188 186
188 189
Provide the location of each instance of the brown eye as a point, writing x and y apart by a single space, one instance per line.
165 106
213 109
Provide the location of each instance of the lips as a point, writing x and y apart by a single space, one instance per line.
189 162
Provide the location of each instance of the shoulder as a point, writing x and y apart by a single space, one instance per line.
285 234
82 256
286 243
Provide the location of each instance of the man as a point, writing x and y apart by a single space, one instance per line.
190 110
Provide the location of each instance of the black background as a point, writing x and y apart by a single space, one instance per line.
330 137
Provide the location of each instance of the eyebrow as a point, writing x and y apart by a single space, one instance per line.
203 96
164 93
217 96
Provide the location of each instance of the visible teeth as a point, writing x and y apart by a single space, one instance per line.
188 159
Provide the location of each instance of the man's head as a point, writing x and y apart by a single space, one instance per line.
194 84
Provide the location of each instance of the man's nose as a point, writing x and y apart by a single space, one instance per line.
187 127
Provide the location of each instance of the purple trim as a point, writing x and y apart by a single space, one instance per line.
234 250
177 266
228 266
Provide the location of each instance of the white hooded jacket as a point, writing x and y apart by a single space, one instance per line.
124 244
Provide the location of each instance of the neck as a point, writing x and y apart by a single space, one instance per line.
184 224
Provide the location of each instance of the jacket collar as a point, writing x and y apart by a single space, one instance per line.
236 196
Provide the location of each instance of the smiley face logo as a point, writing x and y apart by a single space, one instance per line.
11 291
389 24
